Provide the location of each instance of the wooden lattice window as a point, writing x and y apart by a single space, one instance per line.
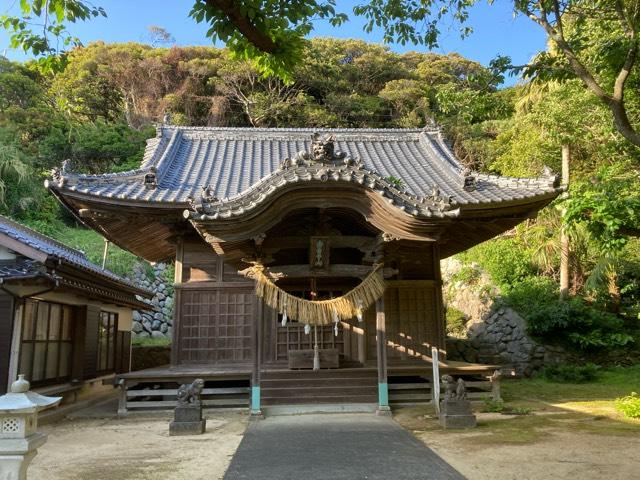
46 342
216 325
107 333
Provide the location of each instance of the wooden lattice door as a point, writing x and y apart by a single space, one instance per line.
216 325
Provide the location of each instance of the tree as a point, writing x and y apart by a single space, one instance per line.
253 29
159 36
41 28
271 33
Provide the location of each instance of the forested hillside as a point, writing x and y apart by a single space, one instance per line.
99 110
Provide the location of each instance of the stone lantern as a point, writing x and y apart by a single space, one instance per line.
19 440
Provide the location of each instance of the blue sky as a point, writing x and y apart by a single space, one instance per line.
496 31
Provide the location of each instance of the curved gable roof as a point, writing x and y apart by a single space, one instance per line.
232 162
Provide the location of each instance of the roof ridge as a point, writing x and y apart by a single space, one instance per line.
162 127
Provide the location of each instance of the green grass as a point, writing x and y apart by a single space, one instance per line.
536 408
152 342
611 383
118 260
597 398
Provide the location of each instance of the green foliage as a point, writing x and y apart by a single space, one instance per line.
278 30
578 325
468 274
504 259
520 410
608 204
570 373
629 405
50 17
493 406
456 322
541 288
100 146
118 261
395 181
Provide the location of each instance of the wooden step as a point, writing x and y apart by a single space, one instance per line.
335 373
317 382
320 399
305 391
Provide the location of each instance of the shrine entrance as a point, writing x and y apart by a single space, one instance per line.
317 255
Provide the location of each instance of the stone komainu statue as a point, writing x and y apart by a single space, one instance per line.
453 390
189 393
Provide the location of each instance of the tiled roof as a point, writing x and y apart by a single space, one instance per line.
234 162
59 251
23 270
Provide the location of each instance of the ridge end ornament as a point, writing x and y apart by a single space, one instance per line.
469 180
551 176
207 194
389 237
323 149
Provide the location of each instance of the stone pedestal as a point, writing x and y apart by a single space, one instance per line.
16 455
456 413
19 440
188 421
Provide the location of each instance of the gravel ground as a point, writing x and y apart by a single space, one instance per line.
137 447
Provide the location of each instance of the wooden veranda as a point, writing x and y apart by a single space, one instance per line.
229 386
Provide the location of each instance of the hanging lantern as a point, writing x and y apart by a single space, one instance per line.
307 329
284 319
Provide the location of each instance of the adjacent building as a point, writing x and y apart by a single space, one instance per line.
64 322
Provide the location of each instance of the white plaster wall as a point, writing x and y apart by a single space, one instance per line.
6 254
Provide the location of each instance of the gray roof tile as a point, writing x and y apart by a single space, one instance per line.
57 250
234 160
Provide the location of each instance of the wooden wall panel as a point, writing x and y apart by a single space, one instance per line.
199 263
216 325
123 351
91 341
411 321
6 335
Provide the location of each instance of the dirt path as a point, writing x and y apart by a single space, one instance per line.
137 448
546 445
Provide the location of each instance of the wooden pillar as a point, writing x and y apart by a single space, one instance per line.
381 344
257 358
361 332
439 304
177 303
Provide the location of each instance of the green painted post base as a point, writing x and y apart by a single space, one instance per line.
255 401
383 395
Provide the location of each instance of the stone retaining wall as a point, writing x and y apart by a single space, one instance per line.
157 323
494 333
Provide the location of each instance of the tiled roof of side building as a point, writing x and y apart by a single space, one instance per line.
180 161
22 270
55 249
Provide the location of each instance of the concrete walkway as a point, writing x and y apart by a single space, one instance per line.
334 447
